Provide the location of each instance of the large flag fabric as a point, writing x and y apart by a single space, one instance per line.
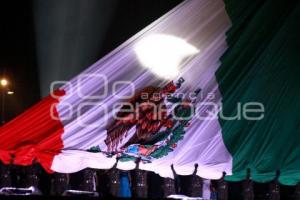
231 105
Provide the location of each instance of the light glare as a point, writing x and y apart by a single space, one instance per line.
162 54
4 82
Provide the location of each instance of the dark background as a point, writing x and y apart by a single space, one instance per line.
32 35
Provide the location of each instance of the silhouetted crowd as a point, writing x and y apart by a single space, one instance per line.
135 183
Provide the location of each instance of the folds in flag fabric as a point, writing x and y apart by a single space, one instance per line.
227 102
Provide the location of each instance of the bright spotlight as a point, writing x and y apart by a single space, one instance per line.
10 92
162 54
4 82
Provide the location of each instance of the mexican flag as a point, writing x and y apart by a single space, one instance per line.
231 104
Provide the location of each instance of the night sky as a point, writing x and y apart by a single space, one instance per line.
36 44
